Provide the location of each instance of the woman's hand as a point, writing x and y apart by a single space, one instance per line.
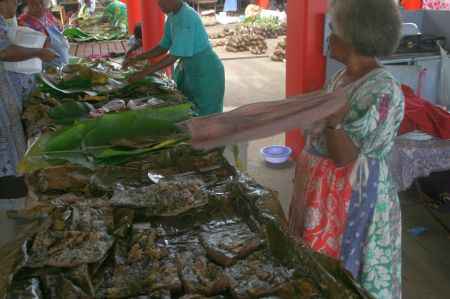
47 55
129 62
139 76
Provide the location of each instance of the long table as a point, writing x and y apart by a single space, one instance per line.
99 48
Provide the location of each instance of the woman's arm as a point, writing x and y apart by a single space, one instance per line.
15 53
163 63
340 146
153 53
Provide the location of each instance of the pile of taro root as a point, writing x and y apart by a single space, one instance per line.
247 38
279 54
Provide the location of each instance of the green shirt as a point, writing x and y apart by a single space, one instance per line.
184 33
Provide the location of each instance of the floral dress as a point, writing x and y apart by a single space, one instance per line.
352 213
436 4
14 91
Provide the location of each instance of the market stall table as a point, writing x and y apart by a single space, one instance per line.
98 48
410 159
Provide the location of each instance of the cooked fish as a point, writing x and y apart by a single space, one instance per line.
225 242
75 235
257 276
29 288
200 276
167 198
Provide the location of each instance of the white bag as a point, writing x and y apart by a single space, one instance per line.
443 93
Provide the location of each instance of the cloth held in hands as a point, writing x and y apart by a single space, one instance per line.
261 120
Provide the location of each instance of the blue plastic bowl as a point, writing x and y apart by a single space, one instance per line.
276 154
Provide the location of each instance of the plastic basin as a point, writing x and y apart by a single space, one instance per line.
29 38
276 154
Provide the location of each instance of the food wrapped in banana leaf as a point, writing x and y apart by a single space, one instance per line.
169 198
94 249
54 181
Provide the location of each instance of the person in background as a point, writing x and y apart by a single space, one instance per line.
37 17
83 9
92 7
230 6
345 202
199 74
14 91
116 13
86 8
135 42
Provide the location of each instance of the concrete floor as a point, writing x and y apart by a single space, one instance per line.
426 258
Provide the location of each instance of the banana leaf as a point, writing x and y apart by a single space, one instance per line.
116 156
67 113
86 141
74 32
49 86
136 123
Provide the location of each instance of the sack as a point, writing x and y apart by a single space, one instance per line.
443 94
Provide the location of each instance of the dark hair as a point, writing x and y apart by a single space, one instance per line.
20 9
138 30
372 27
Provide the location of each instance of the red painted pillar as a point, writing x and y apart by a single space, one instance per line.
264 4
412 4
133 14
152 23
305 62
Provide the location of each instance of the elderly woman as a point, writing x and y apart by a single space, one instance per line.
37 17
14 91
344 202
199 74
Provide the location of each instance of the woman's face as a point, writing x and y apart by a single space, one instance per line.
11 8
338 48
167 6
37 8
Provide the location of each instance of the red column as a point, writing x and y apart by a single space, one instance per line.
152 23
305 63
133 14
264 4
412 4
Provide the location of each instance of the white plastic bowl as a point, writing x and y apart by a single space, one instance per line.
26 37
276 154
29 38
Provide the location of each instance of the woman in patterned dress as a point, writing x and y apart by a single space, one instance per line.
116 13
344 201
37 17
14 91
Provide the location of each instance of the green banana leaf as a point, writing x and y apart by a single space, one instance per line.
80 36
70 111
88 143
74 32
136 123
116 156
49 87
